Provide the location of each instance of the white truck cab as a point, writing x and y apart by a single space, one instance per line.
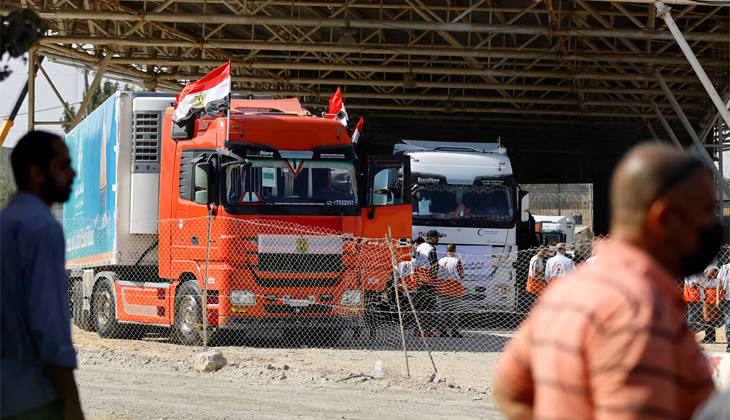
556 229
468 193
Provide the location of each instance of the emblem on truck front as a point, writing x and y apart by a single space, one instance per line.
302 245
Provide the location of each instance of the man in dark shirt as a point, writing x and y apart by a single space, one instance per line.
36 354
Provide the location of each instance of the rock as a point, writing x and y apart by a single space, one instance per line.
379 370
286 367
270 367
210 361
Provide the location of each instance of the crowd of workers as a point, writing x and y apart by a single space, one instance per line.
438 282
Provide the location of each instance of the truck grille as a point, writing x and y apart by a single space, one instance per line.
300 264
286 309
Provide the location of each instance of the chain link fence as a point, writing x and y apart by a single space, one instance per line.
213 281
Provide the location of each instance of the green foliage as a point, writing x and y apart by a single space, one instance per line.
100 95
7 186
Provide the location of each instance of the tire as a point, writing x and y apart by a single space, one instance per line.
80 319
189 314
104 311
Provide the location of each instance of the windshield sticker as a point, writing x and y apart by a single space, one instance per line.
259 153
340 202
424 207
268 177
461 212
332 156
248 197
423 180
295 165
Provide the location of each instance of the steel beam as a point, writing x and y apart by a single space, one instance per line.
368 24
664 122
719 177
429 85
31 88
92 88
380 49
461 71
665 13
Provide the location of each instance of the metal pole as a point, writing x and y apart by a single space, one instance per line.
204 321
653 133
393 261
31 89
666 125
691 131
92 88
664 12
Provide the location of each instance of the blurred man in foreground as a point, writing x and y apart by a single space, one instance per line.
37 356
610 341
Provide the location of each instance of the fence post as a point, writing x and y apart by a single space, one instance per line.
394 263
204 321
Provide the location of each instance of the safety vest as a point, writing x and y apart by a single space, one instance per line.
449 278
536 285
691 293
422 269
711 294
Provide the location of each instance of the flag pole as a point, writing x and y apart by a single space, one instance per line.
230 90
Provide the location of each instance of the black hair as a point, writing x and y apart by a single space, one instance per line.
419 240
35 148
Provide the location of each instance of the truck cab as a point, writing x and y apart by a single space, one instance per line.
267 212
468 193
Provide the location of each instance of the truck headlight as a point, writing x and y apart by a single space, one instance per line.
351 297
242 297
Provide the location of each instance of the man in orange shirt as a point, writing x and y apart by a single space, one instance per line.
609 341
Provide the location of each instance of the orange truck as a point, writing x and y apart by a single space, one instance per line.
268 213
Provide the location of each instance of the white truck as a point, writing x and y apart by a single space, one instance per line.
468 193
556 229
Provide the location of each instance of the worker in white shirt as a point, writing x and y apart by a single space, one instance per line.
724 285
536 282
559 266
449 291
426 274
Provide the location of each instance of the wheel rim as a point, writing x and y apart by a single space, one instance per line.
188 315
104 309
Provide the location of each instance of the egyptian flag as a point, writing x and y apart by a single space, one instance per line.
337 108
209 95
357 131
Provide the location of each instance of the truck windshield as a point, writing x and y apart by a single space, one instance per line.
292 182
490 203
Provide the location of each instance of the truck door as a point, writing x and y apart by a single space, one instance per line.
387 201
188 237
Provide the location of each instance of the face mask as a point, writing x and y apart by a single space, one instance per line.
710 243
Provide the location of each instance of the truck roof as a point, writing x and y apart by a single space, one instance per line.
460 165
551 219
424 145
284 129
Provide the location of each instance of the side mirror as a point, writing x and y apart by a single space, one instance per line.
524 207
383 197
203 182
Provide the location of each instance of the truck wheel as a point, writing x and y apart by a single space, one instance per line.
188 315
80 319
105 313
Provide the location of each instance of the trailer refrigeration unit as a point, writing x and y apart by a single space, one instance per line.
289 206
467 192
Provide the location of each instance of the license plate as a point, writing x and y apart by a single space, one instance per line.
298 301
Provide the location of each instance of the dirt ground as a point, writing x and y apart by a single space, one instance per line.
154 379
